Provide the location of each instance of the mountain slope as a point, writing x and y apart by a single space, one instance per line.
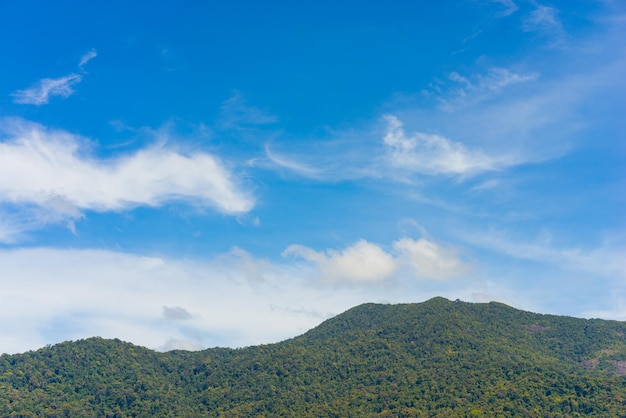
437 358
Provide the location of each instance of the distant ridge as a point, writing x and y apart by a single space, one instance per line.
436 358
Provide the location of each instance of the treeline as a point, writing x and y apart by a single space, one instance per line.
435 359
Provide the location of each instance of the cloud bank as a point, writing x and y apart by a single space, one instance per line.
56 295
168 303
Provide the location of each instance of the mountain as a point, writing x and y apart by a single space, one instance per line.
439 358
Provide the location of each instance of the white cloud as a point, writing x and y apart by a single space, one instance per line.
51 170
364 262
431 260
354 154
41 92
291 164
484 122
542 121
361 262
87 57
434 154
347 157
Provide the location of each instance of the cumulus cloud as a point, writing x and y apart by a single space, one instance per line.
364 262
41 92
52 170
361 262
434 154
431 260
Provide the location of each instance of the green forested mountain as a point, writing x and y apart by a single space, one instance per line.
437 358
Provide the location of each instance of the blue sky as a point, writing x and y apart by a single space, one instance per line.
233 173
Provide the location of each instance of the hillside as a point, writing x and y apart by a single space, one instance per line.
437 358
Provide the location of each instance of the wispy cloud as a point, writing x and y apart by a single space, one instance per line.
474 89
87 57
543 18
522 116
51 170
346 156
509 7
606 261
291 164
17 220
479 123
12 226
428 153
44 89
434 154
237 113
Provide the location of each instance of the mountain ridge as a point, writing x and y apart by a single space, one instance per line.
435 358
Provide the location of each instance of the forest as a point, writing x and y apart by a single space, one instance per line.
438 358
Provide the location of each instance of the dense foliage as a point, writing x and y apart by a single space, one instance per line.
438 358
